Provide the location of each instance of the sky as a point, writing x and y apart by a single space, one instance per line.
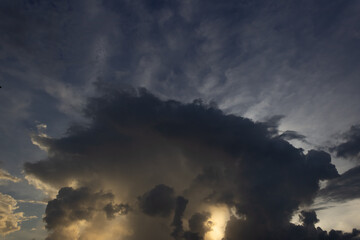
179 119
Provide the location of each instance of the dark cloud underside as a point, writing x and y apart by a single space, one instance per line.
136 139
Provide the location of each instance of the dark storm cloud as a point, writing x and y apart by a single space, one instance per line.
112 209
344 188
178 232
233 52
73 205
160 201
233 160
179 48
273 124
253 57
351 147
199 225
308 218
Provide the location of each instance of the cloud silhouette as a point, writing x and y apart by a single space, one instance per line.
136 141
351 147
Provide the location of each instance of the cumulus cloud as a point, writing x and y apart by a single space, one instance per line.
139 145
240 53
198 225
75 207
9 219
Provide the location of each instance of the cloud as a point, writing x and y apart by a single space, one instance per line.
351 147
305 231
199 225
239 53
308 218
178 232
160 201
112 210
75 207
136 141
33 202
5 176
344 188
290 135
9 219
308 230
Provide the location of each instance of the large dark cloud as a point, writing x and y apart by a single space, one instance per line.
199 225
160 201
255 58
308 218
74 205
210 157
351 147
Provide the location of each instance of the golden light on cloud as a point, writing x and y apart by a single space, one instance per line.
10 219
36 137
97 228
220 215
101 229
47 189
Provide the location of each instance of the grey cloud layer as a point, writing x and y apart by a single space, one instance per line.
243 54
197 151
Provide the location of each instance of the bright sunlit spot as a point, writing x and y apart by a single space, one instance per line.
220 214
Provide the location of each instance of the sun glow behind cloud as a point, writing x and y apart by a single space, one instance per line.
220 214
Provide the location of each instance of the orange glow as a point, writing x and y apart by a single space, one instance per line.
220 214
